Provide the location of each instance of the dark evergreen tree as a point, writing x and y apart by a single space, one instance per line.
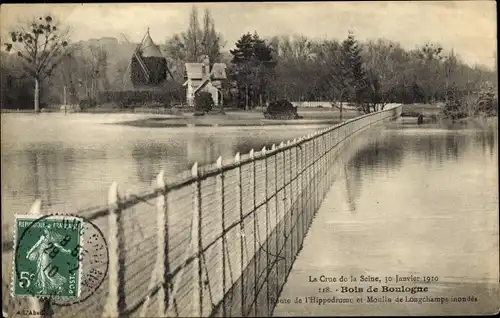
253 64
353 71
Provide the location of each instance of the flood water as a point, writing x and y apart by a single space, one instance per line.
409 200
70 161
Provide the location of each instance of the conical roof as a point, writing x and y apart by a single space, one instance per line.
149 48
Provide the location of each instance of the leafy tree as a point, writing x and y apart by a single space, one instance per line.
41 45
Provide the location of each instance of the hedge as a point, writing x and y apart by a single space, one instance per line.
136 98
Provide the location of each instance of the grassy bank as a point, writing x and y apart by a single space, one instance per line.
433 113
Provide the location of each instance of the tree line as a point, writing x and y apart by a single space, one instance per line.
368 74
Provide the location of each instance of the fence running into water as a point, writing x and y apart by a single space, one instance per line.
219 241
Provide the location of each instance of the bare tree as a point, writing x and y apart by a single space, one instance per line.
190 45
98 62
41 45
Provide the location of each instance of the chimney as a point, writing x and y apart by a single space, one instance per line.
206 65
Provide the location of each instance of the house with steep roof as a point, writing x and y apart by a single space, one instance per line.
200 77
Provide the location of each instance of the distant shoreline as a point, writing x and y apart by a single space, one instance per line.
230 118
175 122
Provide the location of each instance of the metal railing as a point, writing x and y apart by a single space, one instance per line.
220 241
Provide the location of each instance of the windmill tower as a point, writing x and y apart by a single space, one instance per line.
148 67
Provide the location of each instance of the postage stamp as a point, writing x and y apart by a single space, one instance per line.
48 256
61 257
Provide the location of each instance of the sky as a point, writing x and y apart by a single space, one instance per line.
469 27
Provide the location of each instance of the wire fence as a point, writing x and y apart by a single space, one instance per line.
219 241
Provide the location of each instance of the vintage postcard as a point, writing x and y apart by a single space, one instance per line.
249 159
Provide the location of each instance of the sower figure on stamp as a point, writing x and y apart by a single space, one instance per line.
49 240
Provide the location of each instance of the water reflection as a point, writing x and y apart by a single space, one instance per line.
400 149
68 170
40 171
149 158
377 154
384 153
488 139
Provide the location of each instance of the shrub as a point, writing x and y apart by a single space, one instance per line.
203 102
453 107
87 103
480 103
131 98
281 109
487 103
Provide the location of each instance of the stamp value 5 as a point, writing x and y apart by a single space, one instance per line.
48 256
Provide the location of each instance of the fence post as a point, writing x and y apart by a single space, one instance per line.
290 178
302 188
323 165
256 261
263 152
116 298
293 195
275 155
310 180
285 233
239 208
290 201
163 244
220 191
320 168
196 243
315 173
297 196
329 156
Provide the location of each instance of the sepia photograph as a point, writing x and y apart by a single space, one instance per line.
249 159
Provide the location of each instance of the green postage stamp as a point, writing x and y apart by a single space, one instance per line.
47 256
